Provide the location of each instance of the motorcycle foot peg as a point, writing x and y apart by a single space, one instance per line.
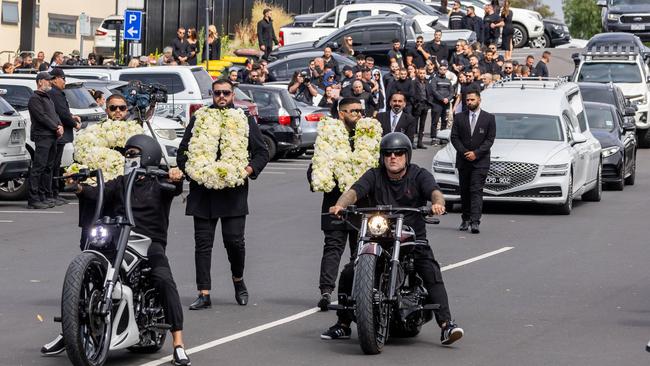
57 319
161 326
431 307
335 307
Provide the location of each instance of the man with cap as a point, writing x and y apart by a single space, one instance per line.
348 76
442 90
46 128
68 121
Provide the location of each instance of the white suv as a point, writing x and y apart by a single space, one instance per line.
543 151
14 158
105 35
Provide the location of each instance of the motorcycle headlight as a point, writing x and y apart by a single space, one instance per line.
377 225
609 151
99 236
167 134
613 17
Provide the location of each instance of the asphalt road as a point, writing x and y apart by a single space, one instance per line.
553 290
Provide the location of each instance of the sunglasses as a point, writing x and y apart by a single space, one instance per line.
130 154
353 111
218 93
397 154
121 107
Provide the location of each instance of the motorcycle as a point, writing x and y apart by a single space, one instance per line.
388 297
108 301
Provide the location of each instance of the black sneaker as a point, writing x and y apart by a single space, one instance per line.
59 201
451 333
336 331
201 302
180 357
55 347
325 300
38 205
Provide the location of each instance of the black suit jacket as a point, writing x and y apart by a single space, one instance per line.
228 202
406 124
480 142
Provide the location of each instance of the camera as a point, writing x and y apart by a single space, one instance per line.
141 96
306 77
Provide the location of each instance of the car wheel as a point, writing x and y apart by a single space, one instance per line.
630 180
519 36
539 42
547 41
595 194
270 145
296 153
619 185
13 190
566 208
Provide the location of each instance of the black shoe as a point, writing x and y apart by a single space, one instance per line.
336 331
451 333
474 227
55 347
180 357
421 146
201 302
325 300
464 226
59 201
241 293
40 205
433 142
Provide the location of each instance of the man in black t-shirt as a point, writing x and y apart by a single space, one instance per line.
418 55
398 182
456 17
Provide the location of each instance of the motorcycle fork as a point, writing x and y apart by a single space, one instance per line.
394 261
114 272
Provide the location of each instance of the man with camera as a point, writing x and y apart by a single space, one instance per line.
302 89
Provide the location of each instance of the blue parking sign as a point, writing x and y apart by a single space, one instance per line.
132 25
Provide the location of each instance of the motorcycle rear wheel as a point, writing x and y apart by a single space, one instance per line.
87 334
372 316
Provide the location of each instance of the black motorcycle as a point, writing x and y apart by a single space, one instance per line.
108 300
388 297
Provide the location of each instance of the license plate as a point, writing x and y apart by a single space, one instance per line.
637 27
497 181
17 137
113 38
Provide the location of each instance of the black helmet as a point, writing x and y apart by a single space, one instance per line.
150 149
396 141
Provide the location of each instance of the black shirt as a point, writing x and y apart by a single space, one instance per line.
439 51
413 190
541 69
180 48
418 58
456 20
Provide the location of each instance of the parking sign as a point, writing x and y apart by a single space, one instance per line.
132 25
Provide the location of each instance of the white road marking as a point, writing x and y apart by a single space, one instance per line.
6 221
31 212
298 316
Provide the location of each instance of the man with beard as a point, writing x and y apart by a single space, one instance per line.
443 92
395 54
348 76
456 17
330 61
491 31
489 64
208 206
336 232
395 120
266 34
392 76
437 49
418 55
367 103
404 85
474 23
421 107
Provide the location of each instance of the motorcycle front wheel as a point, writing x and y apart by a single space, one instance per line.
372 312
86 333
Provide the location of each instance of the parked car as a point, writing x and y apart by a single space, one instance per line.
632 16
14 157
279 118
373 36
417 5
618 147
543 153
609 94
105 35
283 69
556 33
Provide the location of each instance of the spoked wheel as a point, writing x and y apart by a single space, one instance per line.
372 311
86 333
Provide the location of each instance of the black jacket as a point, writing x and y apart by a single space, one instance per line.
440 51
215 49
404 86
442 88
228 202
406 124
480 142
42 114
180 48
62 109
475 24
265 33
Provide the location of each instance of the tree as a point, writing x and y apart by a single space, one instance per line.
582 17
535 5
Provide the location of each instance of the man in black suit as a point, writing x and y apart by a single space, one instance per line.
472 135
396 119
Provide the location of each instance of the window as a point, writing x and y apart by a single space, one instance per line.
601 118
62 26
575 100
204 80
352 15
9 12
610 72
384 36
528 127
357 38
173 82
79 97
112 24
297 65
17 96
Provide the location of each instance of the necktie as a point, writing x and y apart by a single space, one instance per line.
472 123
394 123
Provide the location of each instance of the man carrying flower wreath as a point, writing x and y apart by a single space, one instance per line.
345 148
222 148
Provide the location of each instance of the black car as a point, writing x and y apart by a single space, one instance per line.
555 33
283 69
278 118
609 94
632 16
373 36
618 148
618 39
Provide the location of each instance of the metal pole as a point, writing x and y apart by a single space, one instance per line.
207 33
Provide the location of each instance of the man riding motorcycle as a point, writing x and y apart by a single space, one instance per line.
151 206
397 182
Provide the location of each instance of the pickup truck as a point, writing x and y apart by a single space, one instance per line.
632 16
372 36
311 27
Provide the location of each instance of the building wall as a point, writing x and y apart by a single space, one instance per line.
67 11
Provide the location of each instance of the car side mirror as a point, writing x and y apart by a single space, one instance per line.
578 138
629 125
630 111
444 136
601 3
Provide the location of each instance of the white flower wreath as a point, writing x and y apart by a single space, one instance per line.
223 131
335 162
93 147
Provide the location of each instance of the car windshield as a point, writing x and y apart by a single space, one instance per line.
240 95
600 118
512 126
79 97
610 72
629 2
598 95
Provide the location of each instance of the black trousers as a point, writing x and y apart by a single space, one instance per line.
232 231
40 175
335 242
472 181
56 168
420 114
439 112
426 267
163 281
267 51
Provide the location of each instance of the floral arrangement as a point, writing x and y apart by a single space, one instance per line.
223 131
334 162
93 147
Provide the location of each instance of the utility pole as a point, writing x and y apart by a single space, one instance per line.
207 33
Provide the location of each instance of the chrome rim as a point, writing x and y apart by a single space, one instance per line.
517 37
12 185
